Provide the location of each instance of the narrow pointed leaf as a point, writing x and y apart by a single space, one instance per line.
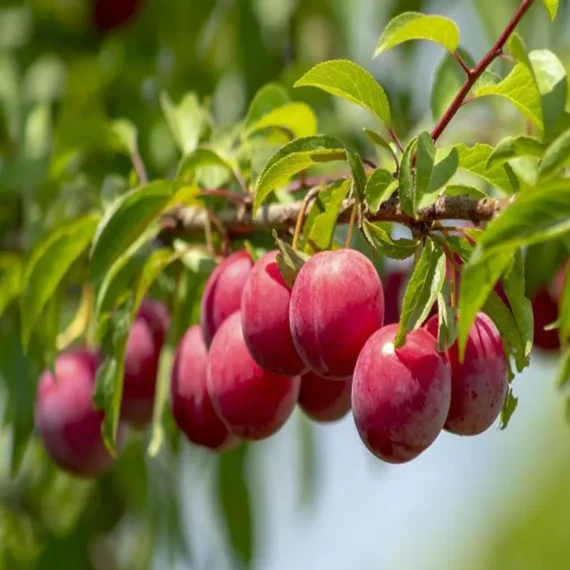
422 290
406 180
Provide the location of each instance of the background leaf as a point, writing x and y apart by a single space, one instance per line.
235 502
49 262
297 118
129 217
266 100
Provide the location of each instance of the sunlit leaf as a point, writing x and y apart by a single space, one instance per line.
416 26
348 80
552 7
518 88
297 118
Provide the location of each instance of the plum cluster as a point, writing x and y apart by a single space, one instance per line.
262 348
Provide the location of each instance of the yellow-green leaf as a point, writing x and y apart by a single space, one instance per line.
348 80
519 88
416 26
297 118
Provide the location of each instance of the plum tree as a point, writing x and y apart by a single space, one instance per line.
337 303
65 416
400 397
479 383
253 403
144 344
324 400
223 292
265 319
109 15
190 402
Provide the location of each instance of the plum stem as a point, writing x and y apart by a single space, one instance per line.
350 229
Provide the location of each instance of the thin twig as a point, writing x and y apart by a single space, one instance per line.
139 167
312 194
350 229
463 65
396 140
479 69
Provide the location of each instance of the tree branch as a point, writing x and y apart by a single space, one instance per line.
239 222
474 74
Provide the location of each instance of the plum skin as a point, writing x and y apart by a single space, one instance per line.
252 402
66 418
324 400
190 402
142 357
400 397
223 291
479 384
265 319
337 303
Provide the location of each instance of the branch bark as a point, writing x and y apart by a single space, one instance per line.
239 222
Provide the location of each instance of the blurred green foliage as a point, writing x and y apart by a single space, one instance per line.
61 82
